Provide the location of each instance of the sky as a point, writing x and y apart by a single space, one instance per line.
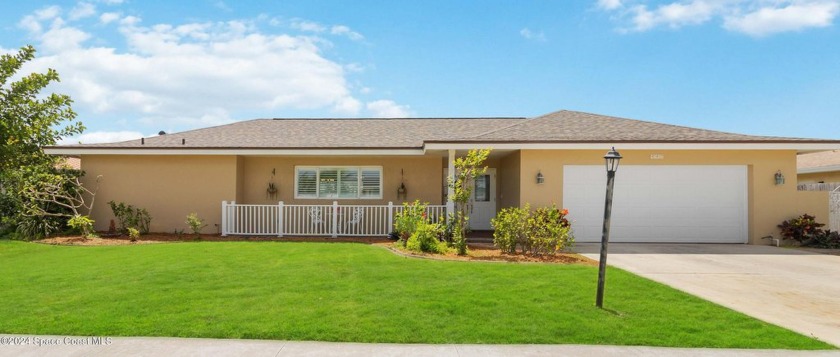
134 68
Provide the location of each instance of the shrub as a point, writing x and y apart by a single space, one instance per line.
544 231
824 239
510 228
133 233
83 224
426 238
407 220
549 231
800 229
131 217
196 224
37 227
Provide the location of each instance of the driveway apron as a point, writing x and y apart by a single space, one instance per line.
792 288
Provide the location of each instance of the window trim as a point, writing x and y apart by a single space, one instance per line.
359 187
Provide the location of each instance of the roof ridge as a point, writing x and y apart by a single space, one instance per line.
407 118
523 121
672 125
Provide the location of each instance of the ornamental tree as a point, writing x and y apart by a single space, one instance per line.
467 169
28 122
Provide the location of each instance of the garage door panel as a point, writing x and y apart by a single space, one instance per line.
660 203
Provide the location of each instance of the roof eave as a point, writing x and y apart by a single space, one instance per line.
818 169
71 150
799 146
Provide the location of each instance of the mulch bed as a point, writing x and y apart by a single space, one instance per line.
477 251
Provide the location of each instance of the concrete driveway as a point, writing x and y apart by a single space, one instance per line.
796 289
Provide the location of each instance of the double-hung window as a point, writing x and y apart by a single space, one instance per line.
338 182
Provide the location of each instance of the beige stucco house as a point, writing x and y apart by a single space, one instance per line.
819 167
674 184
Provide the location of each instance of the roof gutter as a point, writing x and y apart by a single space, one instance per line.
800 147
232 151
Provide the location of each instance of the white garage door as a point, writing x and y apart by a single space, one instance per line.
674 204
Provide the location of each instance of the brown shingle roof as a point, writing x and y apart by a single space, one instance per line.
571 126
558 127
320 133
818 159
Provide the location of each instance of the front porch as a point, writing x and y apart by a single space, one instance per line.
332 220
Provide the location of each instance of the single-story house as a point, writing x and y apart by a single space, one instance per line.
330 176
818 167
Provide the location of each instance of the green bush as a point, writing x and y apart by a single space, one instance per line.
83 224
426 238
129 216
133 233
407 220
510 228
549 231
37 227
196 224
544 231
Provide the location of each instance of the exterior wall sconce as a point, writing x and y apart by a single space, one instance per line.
779 177
402 192
540 178
271 191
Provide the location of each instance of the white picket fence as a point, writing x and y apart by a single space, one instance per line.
314 220
834 210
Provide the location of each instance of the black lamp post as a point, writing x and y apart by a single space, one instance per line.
612 158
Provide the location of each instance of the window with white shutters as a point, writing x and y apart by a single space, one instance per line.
331 182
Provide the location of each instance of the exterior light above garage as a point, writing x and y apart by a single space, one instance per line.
780 178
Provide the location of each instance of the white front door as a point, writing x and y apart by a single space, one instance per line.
483 201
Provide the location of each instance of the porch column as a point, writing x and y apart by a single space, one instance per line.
450 205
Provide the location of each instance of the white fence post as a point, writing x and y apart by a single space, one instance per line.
335 219
224 218
390 221
280 219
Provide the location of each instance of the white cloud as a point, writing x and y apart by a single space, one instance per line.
61 38
109 17
194 74
531 35
221 5
308 26
751 17
82 10
609 4
346 31
674 15
387 109
101 137
32 23
793 17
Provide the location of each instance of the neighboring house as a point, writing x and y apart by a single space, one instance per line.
70 162
674 184
819 167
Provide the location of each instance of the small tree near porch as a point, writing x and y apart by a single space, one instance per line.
467 169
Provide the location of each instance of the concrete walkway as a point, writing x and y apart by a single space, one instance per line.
164 346
792 288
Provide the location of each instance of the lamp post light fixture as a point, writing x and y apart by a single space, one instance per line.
540 178
611 158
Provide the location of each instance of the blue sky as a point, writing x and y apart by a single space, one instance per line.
765 67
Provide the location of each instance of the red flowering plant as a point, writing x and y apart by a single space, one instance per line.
801 229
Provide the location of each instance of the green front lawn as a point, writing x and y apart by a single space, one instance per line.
350 292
